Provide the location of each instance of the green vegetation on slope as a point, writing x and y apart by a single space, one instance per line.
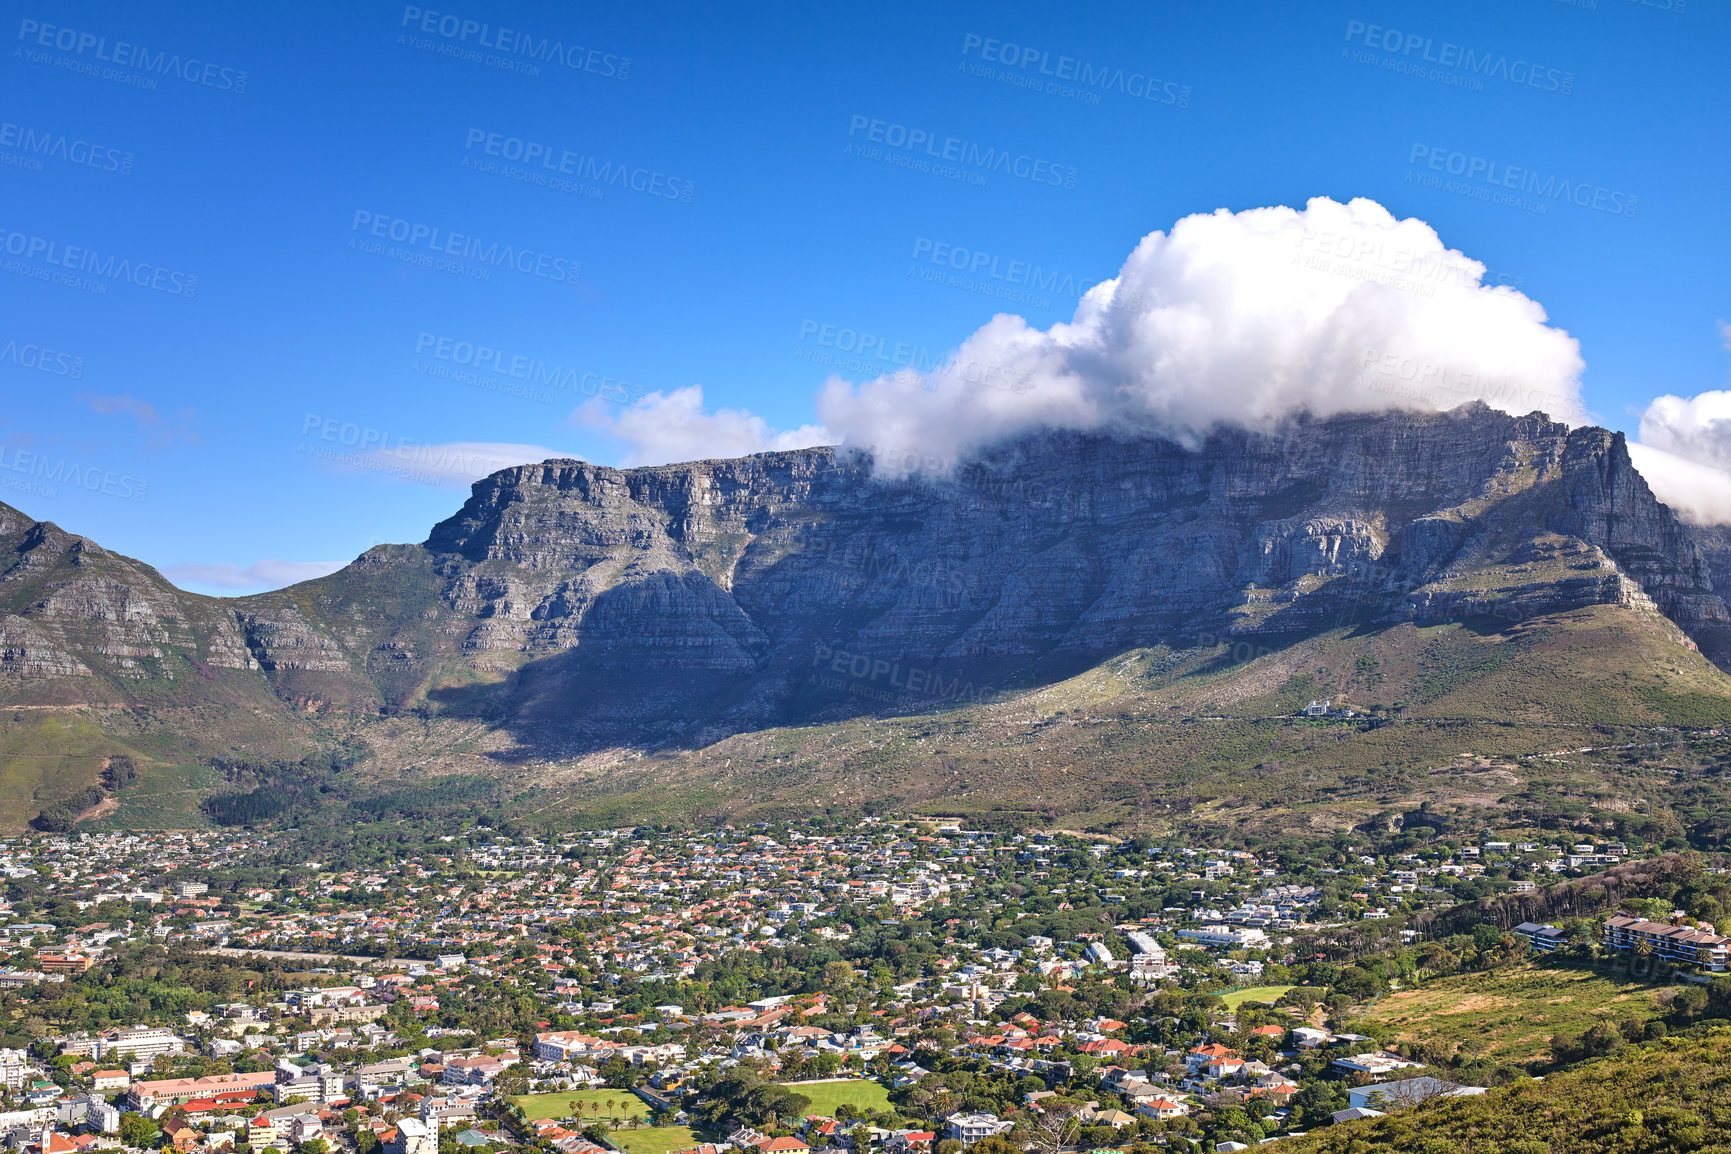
1510 1016
1566 722
47 759
1666 1097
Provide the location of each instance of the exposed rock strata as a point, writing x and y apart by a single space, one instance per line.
740 592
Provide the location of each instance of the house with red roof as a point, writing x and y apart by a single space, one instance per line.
1107 1048
1162 1108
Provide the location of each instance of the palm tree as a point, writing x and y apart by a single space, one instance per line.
610 1109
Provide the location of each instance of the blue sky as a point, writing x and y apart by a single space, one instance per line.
336 178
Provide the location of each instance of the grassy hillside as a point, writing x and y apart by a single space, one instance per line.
1575 714
45 757
1509 1016
1661 1097
1595 718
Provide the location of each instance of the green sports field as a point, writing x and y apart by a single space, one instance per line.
826 1096
1254 994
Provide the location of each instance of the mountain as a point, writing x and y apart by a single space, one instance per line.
574 617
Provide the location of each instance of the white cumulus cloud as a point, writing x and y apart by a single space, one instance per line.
1697 428
1699 494
665 427
1685 454
270 573
1241 318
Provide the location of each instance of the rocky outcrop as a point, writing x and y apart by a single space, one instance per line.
80 611
1608 503
279 638
25 651
723 594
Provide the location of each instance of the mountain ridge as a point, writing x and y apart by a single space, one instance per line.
580 608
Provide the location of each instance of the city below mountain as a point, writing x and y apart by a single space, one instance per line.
1325 784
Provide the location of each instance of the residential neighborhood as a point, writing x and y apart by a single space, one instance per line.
891 985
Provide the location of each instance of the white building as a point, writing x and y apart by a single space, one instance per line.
1229 937
104 1117
970 1128
142 1042
414 1137
1145 943
1403 1092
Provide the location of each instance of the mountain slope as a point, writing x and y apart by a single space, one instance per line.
570 613
1670 1095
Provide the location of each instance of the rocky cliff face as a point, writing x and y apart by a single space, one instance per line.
619 605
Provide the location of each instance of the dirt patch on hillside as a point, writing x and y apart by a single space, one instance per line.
101 809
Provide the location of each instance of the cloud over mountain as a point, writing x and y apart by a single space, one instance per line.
1685 454
1242 318
667 427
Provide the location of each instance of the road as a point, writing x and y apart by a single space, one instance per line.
296 956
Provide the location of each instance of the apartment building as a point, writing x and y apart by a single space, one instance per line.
142 1042
1686 945
63 963
1542 938
1217 936
970 1128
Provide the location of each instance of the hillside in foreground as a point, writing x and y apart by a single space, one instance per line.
1663 1097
